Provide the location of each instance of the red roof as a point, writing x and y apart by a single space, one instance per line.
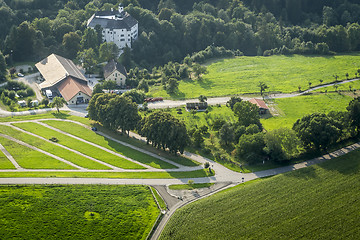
260 103
70 87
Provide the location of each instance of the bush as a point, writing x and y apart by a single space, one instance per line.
30 92
11 95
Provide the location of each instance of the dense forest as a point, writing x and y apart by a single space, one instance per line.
169 30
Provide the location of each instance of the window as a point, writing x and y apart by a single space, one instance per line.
79 94
122 35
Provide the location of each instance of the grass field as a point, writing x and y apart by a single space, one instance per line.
5 162
31 159
91 136
141 175
292 109
51 148
82 147
76 212
161 202
190 186
317 202
280 73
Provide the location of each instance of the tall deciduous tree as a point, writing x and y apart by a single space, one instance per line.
58 102
262 87
108 51
354 113
71 44
247 113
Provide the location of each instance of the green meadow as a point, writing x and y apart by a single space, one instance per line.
317 202
291 109
5 162
281 73
76 212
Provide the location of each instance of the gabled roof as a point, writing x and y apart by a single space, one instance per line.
260 103
112 20
111 66
55 68
70 87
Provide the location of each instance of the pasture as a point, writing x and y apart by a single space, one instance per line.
76 212
317 202
281 73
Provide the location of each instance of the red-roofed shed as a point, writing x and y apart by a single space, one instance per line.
261 104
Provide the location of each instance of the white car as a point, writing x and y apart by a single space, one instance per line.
20 75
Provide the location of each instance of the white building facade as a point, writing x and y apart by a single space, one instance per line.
118 27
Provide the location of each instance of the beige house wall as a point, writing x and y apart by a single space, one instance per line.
79 94
118 77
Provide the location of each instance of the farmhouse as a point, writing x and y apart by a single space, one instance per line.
116 72
261 104
63 78
118 27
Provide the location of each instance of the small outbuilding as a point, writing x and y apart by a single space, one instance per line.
199 106
22 103
261 104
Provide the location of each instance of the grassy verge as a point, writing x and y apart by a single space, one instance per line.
131 175
242 75
5 162
161 202
31 159
91 136
190 186
52 114
82 147
177 159
315 202
51 148
76 212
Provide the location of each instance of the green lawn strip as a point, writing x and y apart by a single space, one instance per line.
31 159
131 175
297 107
190 186
51 148
159 199
177 159
5 162
91 136
64 212
242 74
355 85
319 201
82 147
52 114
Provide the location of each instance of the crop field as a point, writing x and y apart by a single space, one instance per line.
31 159
80 146
292 109
76 212
53 149
317 202
91 136
281 73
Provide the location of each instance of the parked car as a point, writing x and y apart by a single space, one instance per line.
87 115
20 75
94 129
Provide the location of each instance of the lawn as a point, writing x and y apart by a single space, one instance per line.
317 202
133 175
31 159
80 146
190 186
5 162
51 148
76 212
91 136
281 73
292 109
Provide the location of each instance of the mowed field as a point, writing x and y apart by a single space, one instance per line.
317 202
76 212
281 73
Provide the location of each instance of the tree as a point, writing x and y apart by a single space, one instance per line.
282 144
202 98
137 96
247 113
108 51
143 85
165 131
226 134
71 44
317 130
3 70
172 86
262 87
45 102
250 148
198 138
125 58
88 59
354 113
58 102
232 102
89 39
198 70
